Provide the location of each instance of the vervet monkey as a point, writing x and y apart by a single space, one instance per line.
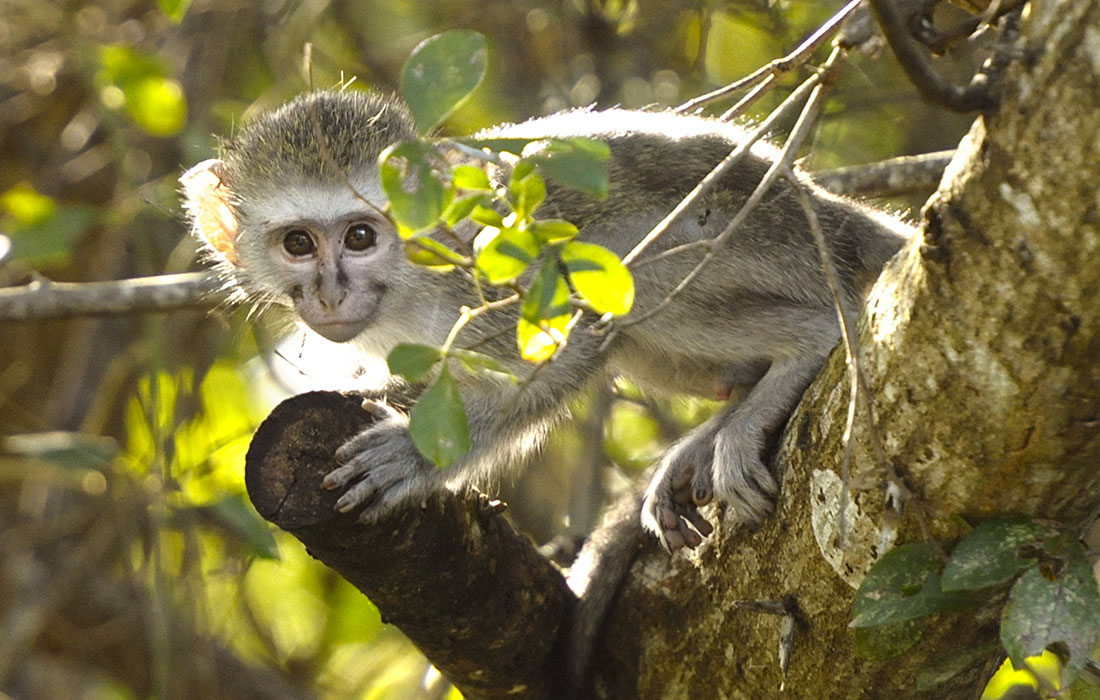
283 212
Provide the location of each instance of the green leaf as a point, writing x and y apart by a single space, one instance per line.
544 318
904 584
417 197
470 177
599 276
462 207
138 82
1047 606
431 253
553 230
437 423
233 515
51 240
527 190
888 641
441 73
991 553
477 362
487 217
68 450
506 255
577 163
175 9
412 361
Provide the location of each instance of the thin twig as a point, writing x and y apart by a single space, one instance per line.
821 82
779 66
913 61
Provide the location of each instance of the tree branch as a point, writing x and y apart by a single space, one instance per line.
476 597
902 175
46 299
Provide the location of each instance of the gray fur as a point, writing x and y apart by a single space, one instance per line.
758 321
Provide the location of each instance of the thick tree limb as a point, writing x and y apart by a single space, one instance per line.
471 593
46 299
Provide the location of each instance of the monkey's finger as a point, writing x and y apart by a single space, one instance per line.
672 540
680 477
359 494
699 523
380 410
668 518
692 539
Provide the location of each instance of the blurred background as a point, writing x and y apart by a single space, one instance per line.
131 564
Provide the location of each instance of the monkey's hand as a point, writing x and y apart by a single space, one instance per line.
380 467
719 461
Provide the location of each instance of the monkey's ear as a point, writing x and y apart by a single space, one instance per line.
206 199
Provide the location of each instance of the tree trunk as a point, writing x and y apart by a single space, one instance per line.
981 347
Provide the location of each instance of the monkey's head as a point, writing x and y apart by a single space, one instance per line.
291 209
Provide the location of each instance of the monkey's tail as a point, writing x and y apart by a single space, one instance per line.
596 577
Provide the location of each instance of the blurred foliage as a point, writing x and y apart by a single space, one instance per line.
130 562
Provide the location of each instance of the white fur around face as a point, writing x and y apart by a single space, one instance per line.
313 201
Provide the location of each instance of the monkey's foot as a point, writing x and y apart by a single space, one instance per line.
741 479
380 467
682 484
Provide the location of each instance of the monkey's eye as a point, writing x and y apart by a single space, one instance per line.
359 237
299 243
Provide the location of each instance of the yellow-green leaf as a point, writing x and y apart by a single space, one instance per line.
417 197
544 319
507 254
599 277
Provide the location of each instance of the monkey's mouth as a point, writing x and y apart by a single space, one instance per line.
338 331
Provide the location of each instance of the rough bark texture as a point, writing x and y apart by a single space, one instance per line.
471 593
982 349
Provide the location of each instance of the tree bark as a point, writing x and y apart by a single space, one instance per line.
981 346
981 351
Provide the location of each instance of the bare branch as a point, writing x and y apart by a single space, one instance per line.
46 299
902 175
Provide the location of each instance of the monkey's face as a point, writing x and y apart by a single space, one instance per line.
332 270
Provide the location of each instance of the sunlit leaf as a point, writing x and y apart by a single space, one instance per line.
498 145
553 230
26 206
1050 603
599 276
412 361
175 9
437 423
1009 679
470 177
157 105
463 207
487 217
441 73
527 190
545 315
417 197
507 253
431 253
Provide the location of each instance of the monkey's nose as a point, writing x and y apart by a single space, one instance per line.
330 292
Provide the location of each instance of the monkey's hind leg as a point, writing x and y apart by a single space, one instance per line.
723 460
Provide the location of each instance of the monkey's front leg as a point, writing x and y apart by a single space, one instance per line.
381 467
723 460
